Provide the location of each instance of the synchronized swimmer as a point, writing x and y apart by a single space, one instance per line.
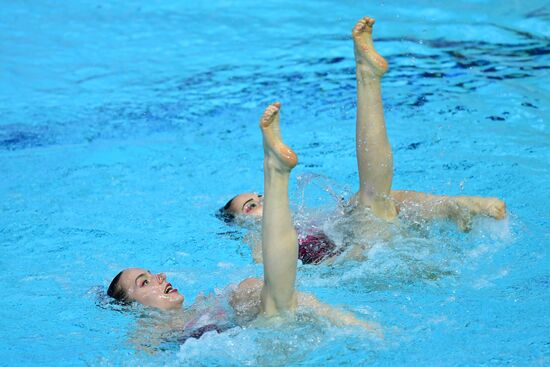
375 164
275 295
280 248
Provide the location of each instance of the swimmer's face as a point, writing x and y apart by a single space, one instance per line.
150 289
248 203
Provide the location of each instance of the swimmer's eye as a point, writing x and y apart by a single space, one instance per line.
145 282
249 207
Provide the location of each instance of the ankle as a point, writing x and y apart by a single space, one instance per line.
274 165
366 76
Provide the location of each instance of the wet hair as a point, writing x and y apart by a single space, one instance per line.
116 291
225 213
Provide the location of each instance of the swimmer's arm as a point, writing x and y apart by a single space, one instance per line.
338 317
148 338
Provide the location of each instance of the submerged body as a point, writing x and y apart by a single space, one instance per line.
375 167
235 306
275 295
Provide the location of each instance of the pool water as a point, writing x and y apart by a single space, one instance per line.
126 125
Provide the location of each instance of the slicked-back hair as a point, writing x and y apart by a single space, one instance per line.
116 291
225 213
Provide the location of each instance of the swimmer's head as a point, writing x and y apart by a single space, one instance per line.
247 204
139 285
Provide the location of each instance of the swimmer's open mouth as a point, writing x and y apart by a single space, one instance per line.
169 289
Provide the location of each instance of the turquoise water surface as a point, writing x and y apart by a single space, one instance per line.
126 125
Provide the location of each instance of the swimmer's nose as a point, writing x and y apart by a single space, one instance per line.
161 277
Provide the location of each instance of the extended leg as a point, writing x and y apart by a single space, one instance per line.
279 240
374 155
457 208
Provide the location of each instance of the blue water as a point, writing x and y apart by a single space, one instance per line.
125 125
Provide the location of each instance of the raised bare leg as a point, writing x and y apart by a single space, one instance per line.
374 155
279 240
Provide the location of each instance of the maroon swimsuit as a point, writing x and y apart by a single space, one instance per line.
213 313
316 247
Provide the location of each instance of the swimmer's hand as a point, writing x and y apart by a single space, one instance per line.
348 319
338 317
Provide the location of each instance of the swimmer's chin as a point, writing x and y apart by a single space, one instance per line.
248 220
174 300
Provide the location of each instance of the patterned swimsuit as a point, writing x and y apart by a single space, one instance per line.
213 313
315 247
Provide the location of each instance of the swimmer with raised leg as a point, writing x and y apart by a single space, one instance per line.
375 164
276 295
374 155
279 241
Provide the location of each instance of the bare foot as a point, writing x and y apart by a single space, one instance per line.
277 155
492 207
367 59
